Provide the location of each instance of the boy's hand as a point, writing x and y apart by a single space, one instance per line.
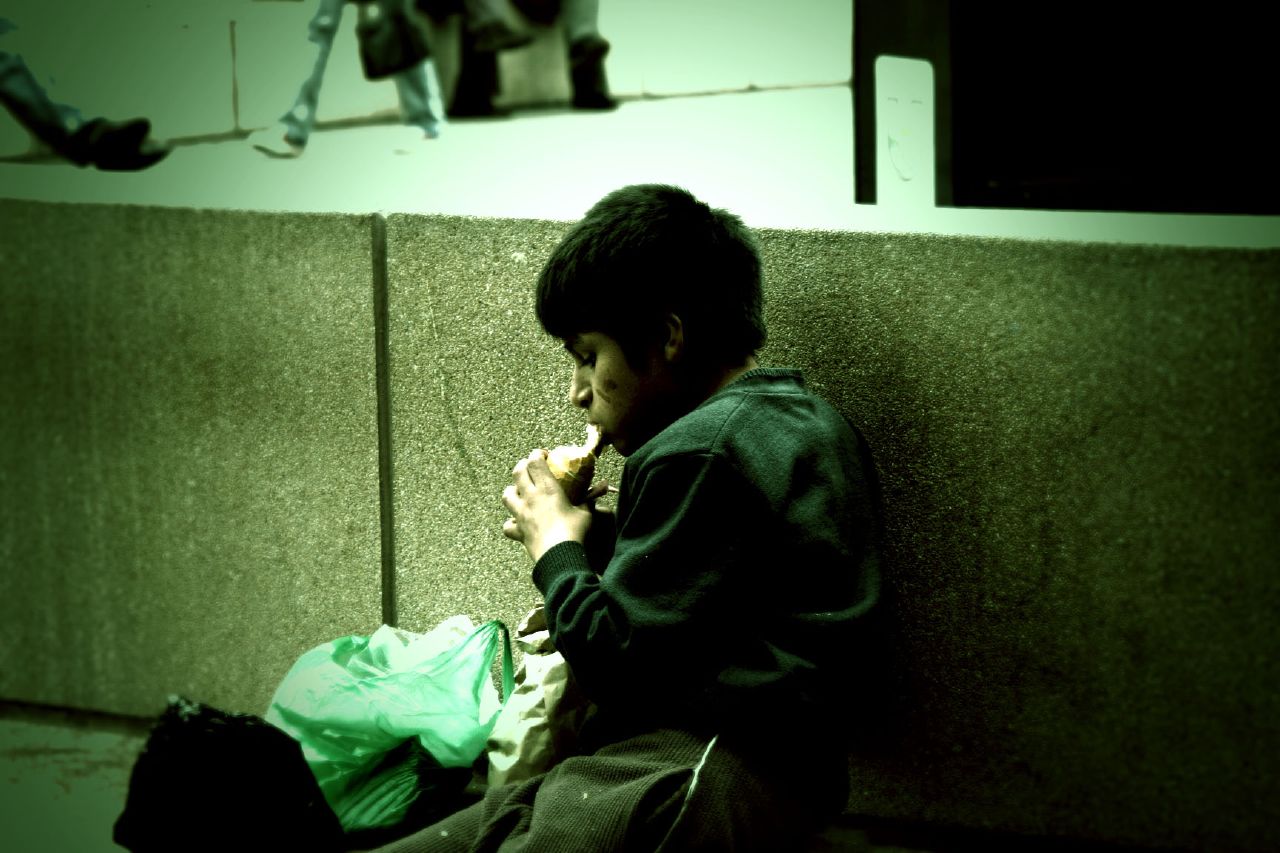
592 502
599 490
541 515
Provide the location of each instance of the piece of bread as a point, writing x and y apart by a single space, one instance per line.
574 465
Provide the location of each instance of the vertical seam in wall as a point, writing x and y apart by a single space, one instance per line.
235 82
386 515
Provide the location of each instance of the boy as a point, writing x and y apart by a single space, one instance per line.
709 617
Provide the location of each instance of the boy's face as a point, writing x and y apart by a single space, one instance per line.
629 404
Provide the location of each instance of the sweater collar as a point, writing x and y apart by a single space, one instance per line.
765 375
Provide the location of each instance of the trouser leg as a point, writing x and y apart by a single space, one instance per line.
52 123
504 812
420 102
580 19
625 797
480 13
321 31
587 50
745 803
477 81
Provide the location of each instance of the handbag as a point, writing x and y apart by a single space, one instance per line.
209 779
539 724
538 11
382 718
439 10
389 39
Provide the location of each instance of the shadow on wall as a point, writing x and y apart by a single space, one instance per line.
1070 440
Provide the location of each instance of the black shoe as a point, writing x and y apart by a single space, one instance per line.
471 108
586 74
116 146
101 135
147 154
594 101
496 36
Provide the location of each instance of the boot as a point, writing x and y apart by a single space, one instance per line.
586 74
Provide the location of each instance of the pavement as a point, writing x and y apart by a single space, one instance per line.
776 157
780 158
63 779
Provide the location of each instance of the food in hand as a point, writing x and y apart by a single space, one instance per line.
574 466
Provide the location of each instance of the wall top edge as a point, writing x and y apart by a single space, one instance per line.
1200 231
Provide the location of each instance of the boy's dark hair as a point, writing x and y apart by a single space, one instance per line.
648 249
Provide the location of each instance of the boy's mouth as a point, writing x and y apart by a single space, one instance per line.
596 438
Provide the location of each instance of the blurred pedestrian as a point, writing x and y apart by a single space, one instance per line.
417 85
99 142
586 47
486 24
586 50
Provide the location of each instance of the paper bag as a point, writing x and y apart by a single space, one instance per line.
539 724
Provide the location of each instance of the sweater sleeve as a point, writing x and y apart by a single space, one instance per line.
667 590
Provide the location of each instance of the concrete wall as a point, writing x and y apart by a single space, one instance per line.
188 452
1078 448
475 386
1077 443
1079 457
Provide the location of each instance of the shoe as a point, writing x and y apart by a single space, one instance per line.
406 138
146 155
496 36
600 101
586 74
274 141
476 108
115 146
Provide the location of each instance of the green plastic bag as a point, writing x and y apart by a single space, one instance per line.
354 702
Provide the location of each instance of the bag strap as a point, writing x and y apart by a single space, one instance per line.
508 667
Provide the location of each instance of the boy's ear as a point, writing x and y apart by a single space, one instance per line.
673 349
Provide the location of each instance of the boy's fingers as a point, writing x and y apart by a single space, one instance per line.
537 470
599 490
522 467
511 530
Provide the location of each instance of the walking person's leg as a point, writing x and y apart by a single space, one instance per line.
488 24
587 50
113 145
289 137
25 98
580 19
421 104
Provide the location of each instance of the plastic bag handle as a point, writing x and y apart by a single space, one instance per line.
508 666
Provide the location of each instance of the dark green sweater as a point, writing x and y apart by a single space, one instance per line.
744 562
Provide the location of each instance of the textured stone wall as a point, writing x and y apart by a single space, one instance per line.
188 451
1077 445
475 385
1078 452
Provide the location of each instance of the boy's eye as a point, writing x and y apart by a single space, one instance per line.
582 359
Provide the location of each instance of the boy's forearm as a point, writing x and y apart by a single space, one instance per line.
584 626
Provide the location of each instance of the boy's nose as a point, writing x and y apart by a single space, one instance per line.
579 393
